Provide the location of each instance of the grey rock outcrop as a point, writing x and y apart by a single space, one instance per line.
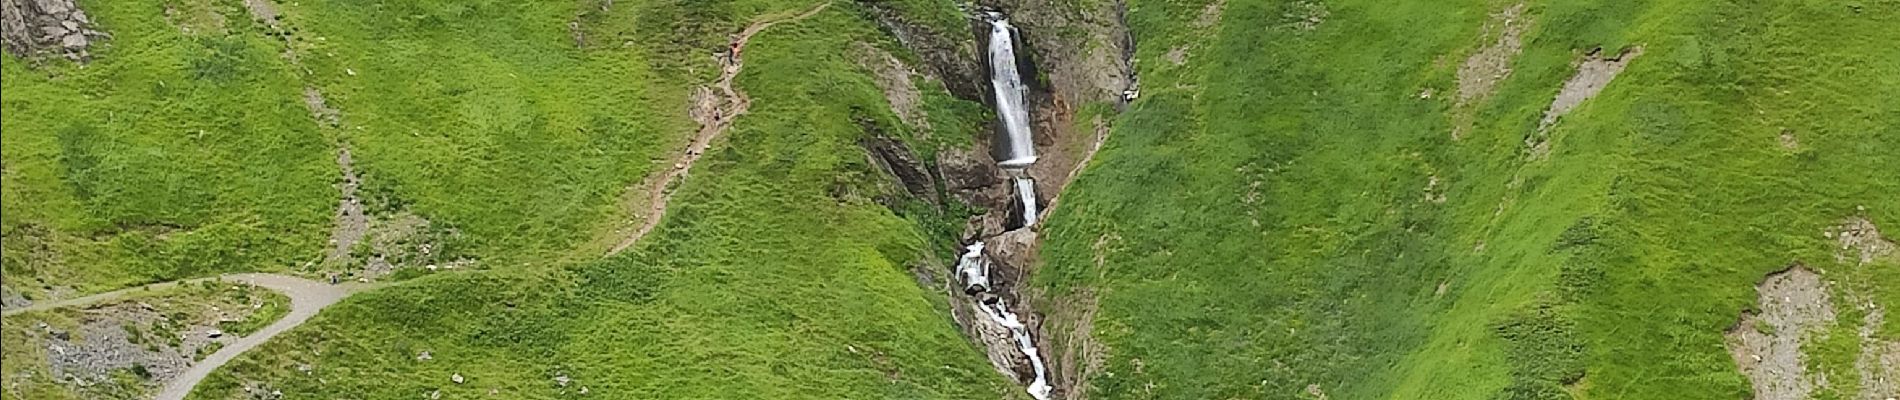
35 27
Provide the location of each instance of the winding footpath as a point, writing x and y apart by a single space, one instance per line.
711 124
306 298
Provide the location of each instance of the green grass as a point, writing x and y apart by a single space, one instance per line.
488 119
1677 164
775 274
168 156
191 306
174 155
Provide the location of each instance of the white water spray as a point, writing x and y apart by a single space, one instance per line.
1000 313
1014 113
1008 85
975 271
1026 192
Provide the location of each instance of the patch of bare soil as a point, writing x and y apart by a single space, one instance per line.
195 19
1788 140
1594 73
1860 242
33 27
1081 355
1314 390
319 108
351 223
264 11
1479 76
893 77
1210 14
1767 345
1177 55
728 105
1306 15
1879 361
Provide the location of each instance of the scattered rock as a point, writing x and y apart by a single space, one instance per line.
1768 345
424 356
1314 390
1481 73
214 333
1860 241
562 379
32 27
457 378
1210 14
1594 73
1306 15
1879 361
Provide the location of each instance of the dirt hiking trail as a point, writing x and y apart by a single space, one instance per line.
715 113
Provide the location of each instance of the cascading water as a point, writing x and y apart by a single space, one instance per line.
1026 191
1013 111
1000 313
975 271
1008 85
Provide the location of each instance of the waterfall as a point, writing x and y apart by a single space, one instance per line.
1000 313
1026 191
1013 112
975 272
1008 85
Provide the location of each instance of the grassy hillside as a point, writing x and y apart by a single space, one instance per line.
170 155
488 117
1609 269
774 275
185 147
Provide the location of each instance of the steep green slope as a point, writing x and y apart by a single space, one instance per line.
185 146
774 274
1268 220
169 155
488 117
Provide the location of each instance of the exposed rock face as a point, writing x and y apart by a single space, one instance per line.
34 27
950 55
897 159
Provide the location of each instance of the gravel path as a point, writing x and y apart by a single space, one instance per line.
306 298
